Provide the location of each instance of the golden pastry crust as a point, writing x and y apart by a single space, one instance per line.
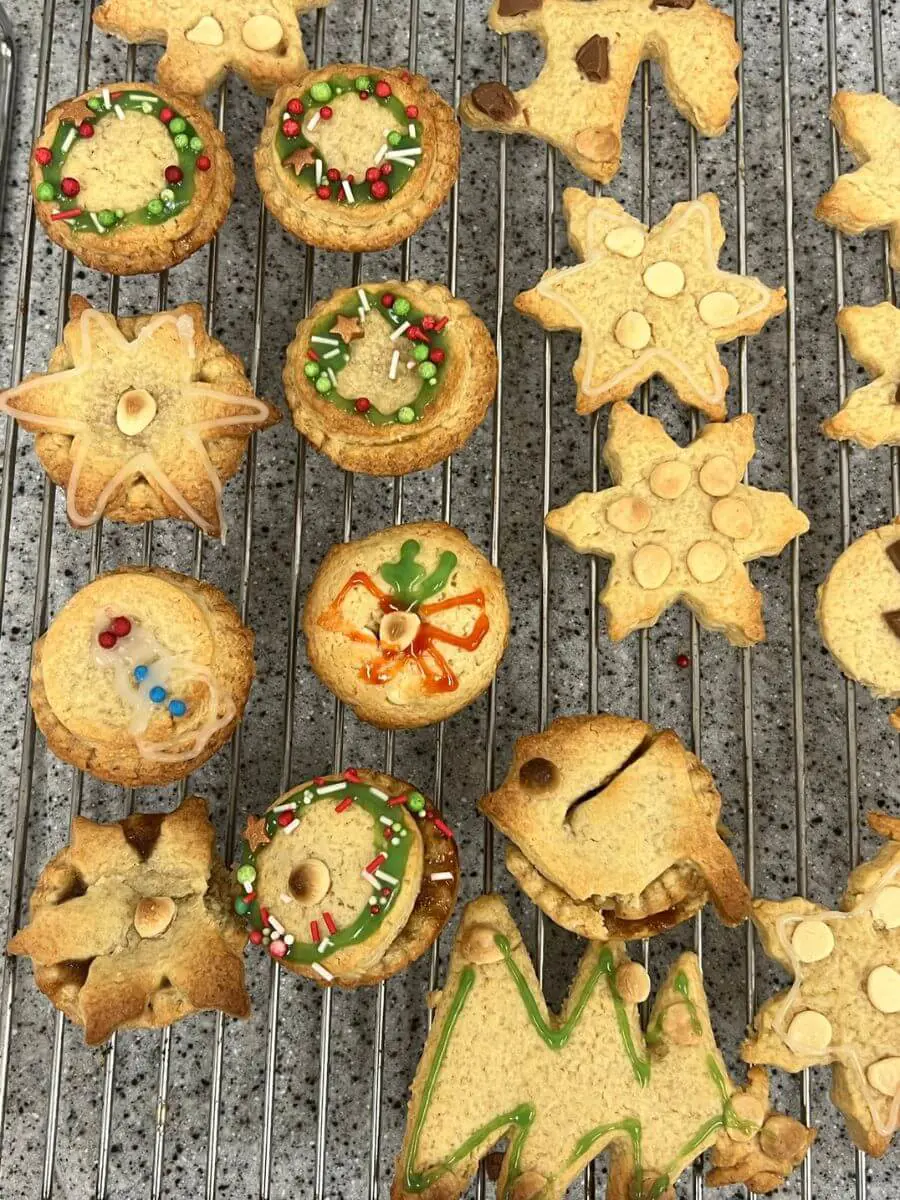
466 389
444 651
870 415
192 412
613 826
261 42
138 248
131 924
370 226
87 701
593 49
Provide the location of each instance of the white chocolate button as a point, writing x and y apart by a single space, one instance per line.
309 881
732 517
809 1033
883 989
632 983
706 561
664 279
134 412
626 240
886 907
398 630
651 565
263 33
629 514
154 915
718 475
669 479
812 941
884 1075
207 32
632 330
718 308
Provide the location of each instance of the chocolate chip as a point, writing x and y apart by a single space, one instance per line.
672 4
893 621
514 8
142 831
592 59
496 101
892 550
537 774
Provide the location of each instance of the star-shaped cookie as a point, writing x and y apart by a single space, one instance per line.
593 49
679 525
259 39
868 124
649 302
843 1008
870 415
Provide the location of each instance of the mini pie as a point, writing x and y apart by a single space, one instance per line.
131 178
347 879
131 924
390 378
613 829
258 39
408 625
593 49
140 418
843 1008
870 415
679 525
142 676
355 157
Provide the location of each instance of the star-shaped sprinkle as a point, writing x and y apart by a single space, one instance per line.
870 415
649 302
303 156
868 124
255 833
348 329
844 1006
679 525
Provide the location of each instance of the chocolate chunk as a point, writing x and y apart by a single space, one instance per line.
537 774
592 59
514 8
142 831
893 552
893 621
672 4
496 101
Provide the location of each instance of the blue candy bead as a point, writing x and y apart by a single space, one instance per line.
177 708
157 694
141 673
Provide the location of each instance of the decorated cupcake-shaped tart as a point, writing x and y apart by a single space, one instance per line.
355 157
130 178
390 378
347 879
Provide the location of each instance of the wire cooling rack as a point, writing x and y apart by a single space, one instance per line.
308 1098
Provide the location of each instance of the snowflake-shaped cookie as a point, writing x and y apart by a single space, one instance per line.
259 39
843 1008
649 302
679 525
140 418
870 415
868 198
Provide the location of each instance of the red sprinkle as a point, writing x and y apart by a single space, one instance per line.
86 129
295 107
405 76
372 174
278 948
442 828
285 818
441 324
429 322
264 913
255 937
166 115
43 156
352 774
70 187
374 910
249 897
382 89
314 932
376 863
318 780
174 174
385 891
387 299
411 111
362 404
363 95
326 112
329 922
290 128
312 356
344 804
67 215
333 174
395 800
415 334
683 660
386 168
323 192
107 639
436 356
203 163
379 190
121 627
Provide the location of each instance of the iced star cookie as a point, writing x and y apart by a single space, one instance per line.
140 418
649 302
142 676
130 178
679 525
347 879
131 924
390 378
408 625
593 49
870 415
843 1007
868 124
613 829
563 1088
354 157
258 39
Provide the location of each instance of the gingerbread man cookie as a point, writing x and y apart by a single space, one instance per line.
870 415
649 302
843 1008
593 49
679 525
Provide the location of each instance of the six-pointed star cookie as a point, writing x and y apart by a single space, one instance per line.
593 49
844 1005
871 414
679 525
869 198
649 303
259 39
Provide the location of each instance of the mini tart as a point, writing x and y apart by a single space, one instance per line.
347 879
396 138
408 625
142 676
390 378
130 178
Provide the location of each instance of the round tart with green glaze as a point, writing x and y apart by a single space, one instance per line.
130 178
390 378
347 879
357 158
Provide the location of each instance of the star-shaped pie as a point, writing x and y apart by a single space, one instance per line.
348 329
140 418
843 1007
255 833
870 415
679 525
303 156
132 925
259 39
868 124
649 302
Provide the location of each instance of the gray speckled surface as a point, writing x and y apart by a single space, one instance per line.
73 1172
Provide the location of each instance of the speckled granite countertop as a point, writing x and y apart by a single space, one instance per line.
182 1165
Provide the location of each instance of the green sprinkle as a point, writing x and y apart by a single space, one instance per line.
415 802
363 83
178 125
312 370
46 191
427 370
401 306
323 384
420 352
181 140
107 218
321 92
120 214
339 91
246 873
406 415
155 207
95 103
167 195
241 907
393 138
196 144
146 108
